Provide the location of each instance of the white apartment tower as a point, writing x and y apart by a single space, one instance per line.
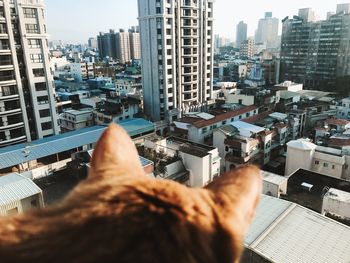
27 99
177 56
123 46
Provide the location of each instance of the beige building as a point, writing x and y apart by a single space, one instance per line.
302 154
18 195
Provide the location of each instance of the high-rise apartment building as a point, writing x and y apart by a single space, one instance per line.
267 31
247 48
316 53
122 45
241 33
27 99
135 45
107 44
177 55
92 43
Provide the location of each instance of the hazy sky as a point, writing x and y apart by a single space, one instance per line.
75 21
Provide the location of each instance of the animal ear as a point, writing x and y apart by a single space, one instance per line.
115 154
237 195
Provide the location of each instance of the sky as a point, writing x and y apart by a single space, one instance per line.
74 21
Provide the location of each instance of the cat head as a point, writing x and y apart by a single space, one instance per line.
204 225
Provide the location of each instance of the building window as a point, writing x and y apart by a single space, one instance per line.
32 29
29 12
158 10
34 43
39 72
317 162
44 113
40 86
325 165
46 126
34 203
204 130
333 167
43 100
36 58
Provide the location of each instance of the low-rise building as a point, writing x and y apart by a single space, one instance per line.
289 86
332 162
115 109
82 71
72 120
274 185
201 161
337 203
18 195
199 127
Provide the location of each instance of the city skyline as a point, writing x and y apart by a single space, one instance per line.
227 15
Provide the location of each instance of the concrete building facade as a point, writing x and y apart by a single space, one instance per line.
27 99
267 31
316 53
177 56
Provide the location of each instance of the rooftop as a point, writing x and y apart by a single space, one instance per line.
337 122
273 178
338 195
22 153
14 187
286 232
302 144
201 123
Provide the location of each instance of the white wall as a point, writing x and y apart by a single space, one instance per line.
336 207
298 159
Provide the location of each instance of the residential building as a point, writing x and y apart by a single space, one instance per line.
201 162
241 33
107 44
27 99
320 56
247 48
329 161
177 56
92 43
115 109
72 120
199 128
123 45
82 71
19 195
267 31
135 45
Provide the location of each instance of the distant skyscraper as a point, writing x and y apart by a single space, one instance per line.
321 54
122 45
27 99
92 43
107 44
267 31
177 55
241 33
135 45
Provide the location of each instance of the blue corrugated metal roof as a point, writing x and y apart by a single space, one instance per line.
22 153
14 187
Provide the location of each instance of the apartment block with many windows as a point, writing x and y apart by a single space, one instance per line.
27 99
177 56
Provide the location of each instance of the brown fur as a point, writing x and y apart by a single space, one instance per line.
120 215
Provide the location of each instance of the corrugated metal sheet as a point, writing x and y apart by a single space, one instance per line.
14 187
17 154
286 232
